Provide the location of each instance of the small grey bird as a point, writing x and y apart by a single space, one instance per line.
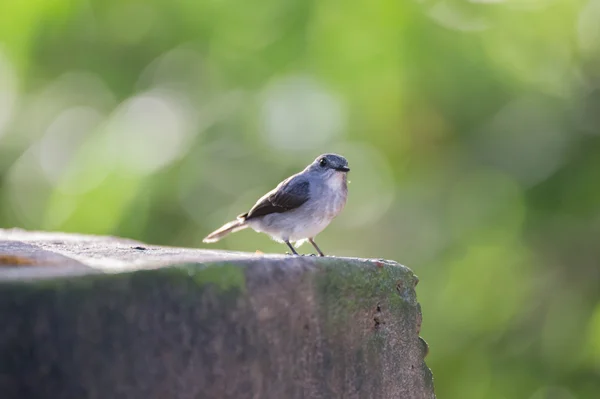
300 207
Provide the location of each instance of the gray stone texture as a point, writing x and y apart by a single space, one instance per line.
102 317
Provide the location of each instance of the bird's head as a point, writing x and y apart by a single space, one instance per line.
329 165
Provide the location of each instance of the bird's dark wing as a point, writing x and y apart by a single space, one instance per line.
290 194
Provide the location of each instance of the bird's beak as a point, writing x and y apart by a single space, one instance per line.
343 169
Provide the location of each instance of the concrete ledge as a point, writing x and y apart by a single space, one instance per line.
100 317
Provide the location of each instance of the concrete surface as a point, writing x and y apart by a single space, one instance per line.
103 317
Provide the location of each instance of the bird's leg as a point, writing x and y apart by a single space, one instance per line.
314 244
291 247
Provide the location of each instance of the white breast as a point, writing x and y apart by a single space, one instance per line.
336 182
336 195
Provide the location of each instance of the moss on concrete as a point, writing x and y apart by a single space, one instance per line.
225 276
358 286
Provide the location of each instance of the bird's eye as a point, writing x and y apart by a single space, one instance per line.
323 162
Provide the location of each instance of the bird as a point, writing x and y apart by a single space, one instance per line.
300 207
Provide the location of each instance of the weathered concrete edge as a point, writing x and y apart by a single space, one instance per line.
75 268
223 280
352 273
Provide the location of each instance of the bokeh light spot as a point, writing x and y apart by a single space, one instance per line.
525 139
451 15
299 114
588 28
64 137
150 131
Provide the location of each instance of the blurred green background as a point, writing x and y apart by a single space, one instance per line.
472 129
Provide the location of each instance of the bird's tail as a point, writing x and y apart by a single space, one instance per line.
231 227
